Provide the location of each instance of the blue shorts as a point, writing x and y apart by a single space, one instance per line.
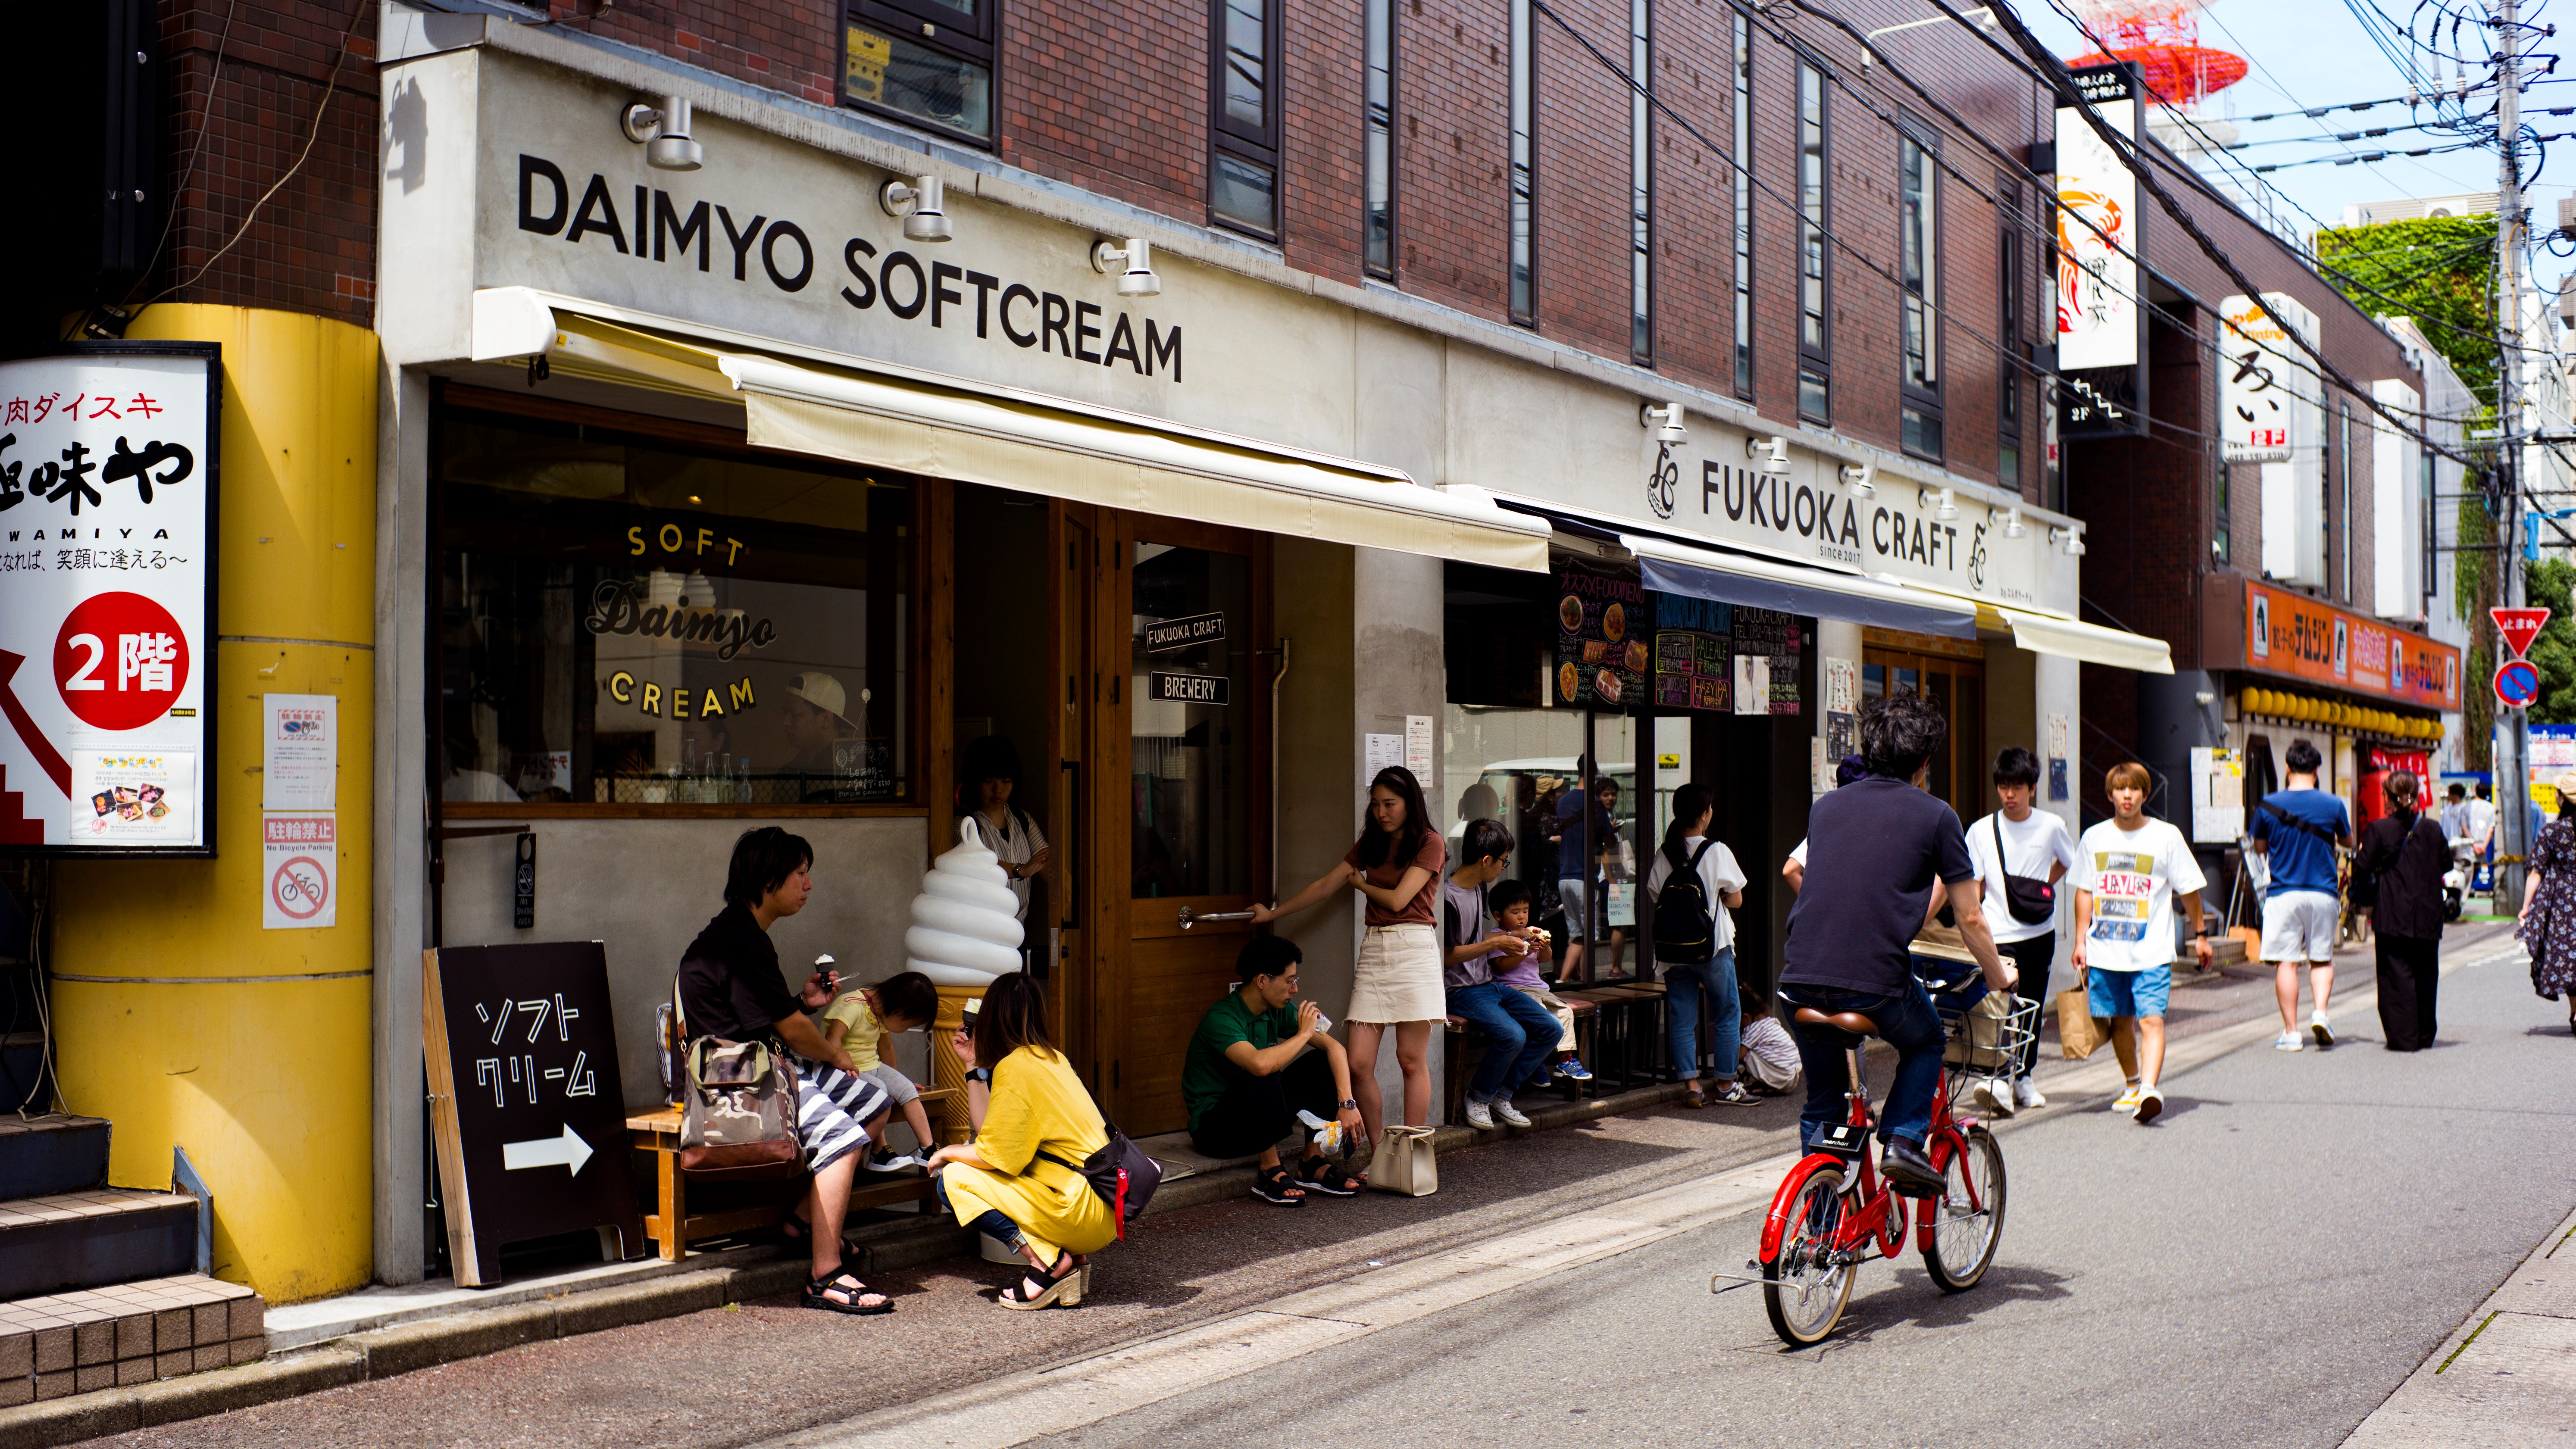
2129 993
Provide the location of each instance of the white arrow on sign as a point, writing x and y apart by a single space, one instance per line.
567 1150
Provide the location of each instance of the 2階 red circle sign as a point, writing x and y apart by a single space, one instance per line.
301 888
120 661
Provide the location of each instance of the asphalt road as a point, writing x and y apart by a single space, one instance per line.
2264 1265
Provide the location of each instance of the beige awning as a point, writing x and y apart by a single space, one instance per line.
2075 639
948 428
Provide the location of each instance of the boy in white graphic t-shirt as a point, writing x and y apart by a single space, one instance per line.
2133 870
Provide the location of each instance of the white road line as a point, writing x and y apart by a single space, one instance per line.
1016 1408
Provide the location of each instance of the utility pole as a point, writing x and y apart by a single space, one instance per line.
2510 754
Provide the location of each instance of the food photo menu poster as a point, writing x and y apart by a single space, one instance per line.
107 541
1602 651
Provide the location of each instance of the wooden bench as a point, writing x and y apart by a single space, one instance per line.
1458 1063
672 1227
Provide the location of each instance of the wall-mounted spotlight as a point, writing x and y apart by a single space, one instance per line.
922 202
1772 451
2068 539
1861 478
1666 421
2012 523
1131 262
663 131
1942 501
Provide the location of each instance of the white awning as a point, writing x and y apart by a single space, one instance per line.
882 416
2092 643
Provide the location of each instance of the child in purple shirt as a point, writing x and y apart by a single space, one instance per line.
1509 901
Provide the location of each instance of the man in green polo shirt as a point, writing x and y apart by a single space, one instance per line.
1249 1076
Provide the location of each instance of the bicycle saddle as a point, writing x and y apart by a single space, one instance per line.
1850 1021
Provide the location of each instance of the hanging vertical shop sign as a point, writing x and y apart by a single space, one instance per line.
2272 411
107 574
1601 649
2102 386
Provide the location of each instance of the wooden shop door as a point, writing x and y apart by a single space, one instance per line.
1181 813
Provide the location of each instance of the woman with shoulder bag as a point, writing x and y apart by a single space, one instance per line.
1020 1181
2400 865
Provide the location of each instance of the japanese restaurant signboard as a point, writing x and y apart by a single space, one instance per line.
107 570
2291 634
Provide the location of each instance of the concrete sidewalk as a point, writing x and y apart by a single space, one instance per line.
2506 1377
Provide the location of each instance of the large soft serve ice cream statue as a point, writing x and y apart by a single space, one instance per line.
965 923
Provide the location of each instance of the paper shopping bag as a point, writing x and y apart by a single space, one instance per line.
1980 1040
2078 1034
1404 1164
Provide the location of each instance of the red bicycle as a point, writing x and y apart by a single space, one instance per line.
1833 1209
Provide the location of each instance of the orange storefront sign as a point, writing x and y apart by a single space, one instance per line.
2293 635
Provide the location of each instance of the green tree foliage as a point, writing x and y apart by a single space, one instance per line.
2474 578
2547 584
2439 271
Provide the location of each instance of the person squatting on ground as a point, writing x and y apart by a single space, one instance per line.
1020 1181
1875 848
729 987
1520 1034
2018 840
2296 829
1250 1074
858 1023
1691 886
1510 902
2133 870
2401 861
1396 864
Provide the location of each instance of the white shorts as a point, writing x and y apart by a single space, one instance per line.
2301 926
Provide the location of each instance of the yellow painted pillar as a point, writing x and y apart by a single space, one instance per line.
179 1019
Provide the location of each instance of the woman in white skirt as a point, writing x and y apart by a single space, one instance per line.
1397 865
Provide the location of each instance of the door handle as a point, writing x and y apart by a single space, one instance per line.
1191 918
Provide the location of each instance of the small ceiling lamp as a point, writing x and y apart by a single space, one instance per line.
1861 478
1131 261
1772 451
922 203
663 131
1665 421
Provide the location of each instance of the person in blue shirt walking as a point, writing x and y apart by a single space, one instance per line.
2297 829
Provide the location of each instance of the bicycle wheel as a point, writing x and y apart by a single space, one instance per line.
1803 1287
1964 1237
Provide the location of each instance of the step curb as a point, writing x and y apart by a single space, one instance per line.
473 1332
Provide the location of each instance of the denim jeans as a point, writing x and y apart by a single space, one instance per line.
1683 984
1906 1022
1520 1035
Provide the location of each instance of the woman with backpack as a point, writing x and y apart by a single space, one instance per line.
1692 884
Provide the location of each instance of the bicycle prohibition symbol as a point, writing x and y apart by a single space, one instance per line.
300 887
1833 1210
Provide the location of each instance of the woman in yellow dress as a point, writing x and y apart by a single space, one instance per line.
1019 1179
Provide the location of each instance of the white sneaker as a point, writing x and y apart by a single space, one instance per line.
2027 1095
2318 1028
1480 1116
2150 1103
1992 1094
2288 1042
2127 1102
1511 1115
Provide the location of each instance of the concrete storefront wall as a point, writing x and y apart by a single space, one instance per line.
1317 759
646 888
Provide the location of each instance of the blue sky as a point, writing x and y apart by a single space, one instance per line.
2303 54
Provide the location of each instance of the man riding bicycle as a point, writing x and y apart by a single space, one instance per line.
1875 849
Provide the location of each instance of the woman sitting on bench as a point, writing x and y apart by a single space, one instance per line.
1020 1180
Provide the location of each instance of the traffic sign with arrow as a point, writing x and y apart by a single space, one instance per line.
2519 626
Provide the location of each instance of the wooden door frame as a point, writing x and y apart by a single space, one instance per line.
1967 762
1112 758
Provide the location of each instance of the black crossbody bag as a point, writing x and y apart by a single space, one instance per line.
2029 899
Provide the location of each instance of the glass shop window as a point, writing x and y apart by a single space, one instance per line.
622 621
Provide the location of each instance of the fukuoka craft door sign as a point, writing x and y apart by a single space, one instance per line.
107 570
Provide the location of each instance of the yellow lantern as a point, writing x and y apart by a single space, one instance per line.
2250 702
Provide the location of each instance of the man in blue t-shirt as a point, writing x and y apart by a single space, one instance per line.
1875 849
1585 832
2298 828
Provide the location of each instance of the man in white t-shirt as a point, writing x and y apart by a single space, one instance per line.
1687 974
2033 844
2133 869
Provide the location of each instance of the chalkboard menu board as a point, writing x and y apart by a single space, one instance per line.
526 1105
1601 638
1725 658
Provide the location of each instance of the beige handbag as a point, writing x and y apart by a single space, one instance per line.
1404 1164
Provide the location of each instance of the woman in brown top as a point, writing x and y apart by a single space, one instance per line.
1396 864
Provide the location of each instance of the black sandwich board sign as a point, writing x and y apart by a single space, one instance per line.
526 1105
